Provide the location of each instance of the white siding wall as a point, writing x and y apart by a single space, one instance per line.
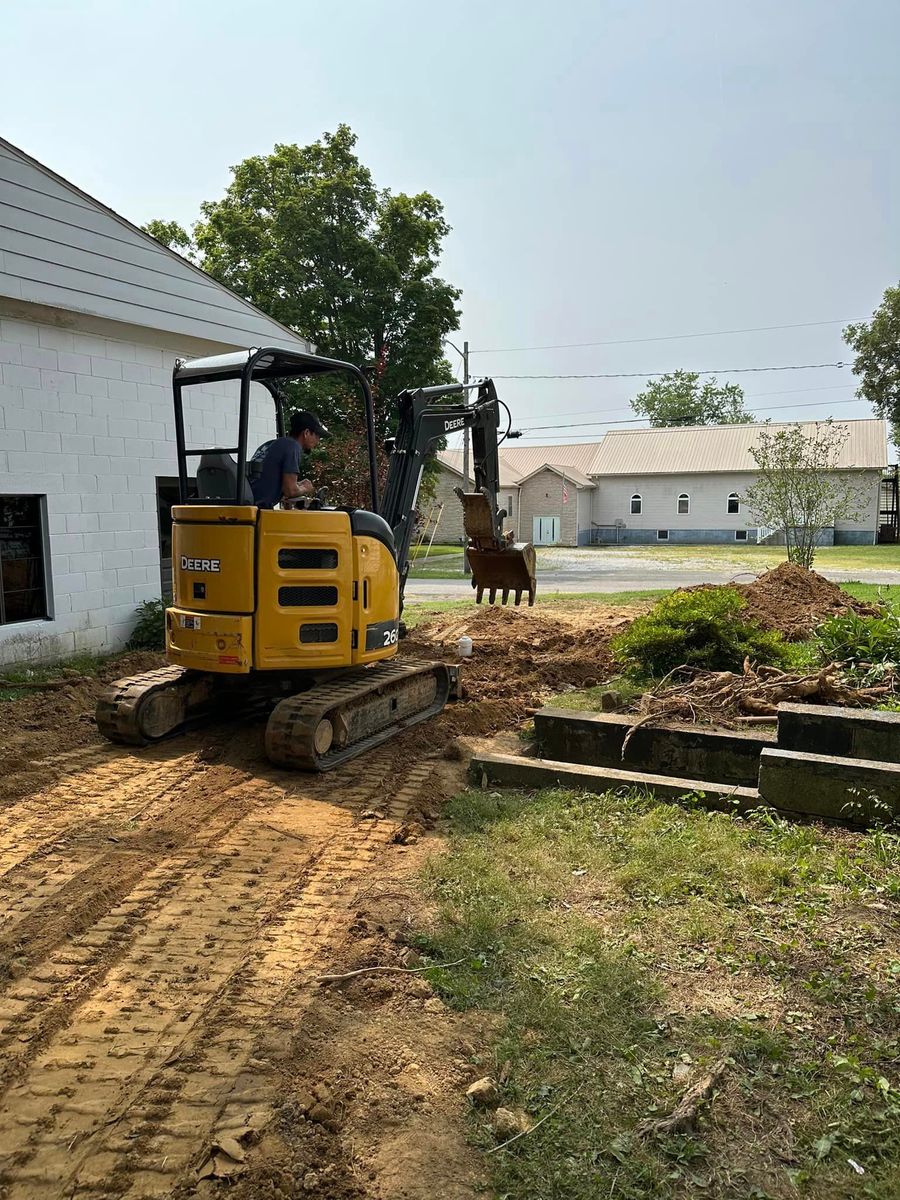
87 421
708 501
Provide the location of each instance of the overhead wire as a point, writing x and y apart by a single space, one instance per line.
662 374
671 337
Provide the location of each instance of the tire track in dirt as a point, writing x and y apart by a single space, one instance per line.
180 979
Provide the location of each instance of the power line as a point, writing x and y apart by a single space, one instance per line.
662 374
641 420
672 337
835 387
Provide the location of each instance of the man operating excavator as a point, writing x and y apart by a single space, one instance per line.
276 466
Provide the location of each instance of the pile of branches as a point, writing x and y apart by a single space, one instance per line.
714 697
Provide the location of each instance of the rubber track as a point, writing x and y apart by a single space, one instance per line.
293 723
118 707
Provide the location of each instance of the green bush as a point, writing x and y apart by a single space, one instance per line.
704 628
852 639
150 631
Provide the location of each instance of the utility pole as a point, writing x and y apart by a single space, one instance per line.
466 428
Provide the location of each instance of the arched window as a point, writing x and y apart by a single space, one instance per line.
734 504
637 504
684 504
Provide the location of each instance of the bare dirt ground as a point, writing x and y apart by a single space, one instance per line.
166 915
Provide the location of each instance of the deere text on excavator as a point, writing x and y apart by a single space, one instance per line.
297 611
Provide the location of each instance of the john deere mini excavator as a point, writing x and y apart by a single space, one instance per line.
297 611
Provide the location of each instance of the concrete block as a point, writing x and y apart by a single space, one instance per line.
511 771
18 376
822 785
10 352
58 381
36 356
91 385
847 732
596 739
76 364
108 368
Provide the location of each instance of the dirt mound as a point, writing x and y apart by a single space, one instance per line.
793 600
520 657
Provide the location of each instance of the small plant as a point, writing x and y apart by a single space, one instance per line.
861 642
703 628
150 631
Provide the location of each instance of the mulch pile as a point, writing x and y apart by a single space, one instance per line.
793 601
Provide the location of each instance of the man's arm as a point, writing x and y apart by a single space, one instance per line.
292 486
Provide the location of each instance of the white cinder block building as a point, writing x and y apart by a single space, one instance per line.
660 486
93 314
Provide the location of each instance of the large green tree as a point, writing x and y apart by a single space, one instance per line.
305 234
877 362
681 399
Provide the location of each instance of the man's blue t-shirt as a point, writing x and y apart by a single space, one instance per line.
282 456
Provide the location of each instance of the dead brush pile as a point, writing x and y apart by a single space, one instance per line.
725 697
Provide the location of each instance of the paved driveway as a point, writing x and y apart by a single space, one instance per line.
562 570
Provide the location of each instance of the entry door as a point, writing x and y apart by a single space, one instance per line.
545 531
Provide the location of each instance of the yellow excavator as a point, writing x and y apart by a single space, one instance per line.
297 611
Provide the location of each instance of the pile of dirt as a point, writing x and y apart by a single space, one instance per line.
792 600
520 657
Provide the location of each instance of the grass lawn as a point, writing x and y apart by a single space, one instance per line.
437 550
761 558
626 947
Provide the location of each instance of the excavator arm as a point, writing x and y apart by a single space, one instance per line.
498 563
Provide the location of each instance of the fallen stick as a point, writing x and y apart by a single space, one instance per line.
398 970
48 684
684 1114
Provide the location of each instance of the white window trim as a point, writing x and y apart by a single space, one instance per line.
687 511
636 512
728 504
662 539
745 538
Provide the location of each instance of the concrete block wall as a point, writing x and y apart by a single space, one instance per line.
86 421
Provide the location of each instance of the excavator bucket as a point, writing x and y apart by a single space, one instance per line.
498 563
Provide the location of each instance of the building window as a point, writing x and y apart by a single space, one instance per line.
734 504
23 590
637 504
684 504
740 535
509 506
662 535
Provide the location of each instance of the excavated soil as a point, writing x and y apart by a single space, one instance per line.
793 601
166 915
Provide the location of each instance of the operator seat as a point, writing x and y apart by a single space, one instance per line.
217 479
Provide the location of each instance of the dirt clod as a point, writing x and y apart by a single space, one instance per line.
484 1092
509 1122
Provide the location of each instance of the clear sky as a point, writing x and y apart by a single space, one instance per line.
612 170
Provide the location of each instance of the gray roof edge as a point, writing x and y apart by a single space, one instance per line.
38 165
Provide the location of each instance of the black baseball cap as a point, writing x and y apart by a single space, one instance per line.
307 420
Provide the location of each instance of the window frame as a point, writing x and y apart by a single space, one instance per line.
742 535
678 510
660 538
42 556
636 512
733 512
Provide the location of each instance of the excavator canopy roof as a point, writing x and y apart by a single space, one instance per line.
265 363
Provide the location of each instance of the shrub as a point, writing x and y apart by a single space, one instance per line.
704 628
853 639
150 631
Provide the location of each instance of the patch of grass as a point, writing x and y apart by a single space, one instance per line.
78 664
762 558
420 610
590 699
625 945
437 549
